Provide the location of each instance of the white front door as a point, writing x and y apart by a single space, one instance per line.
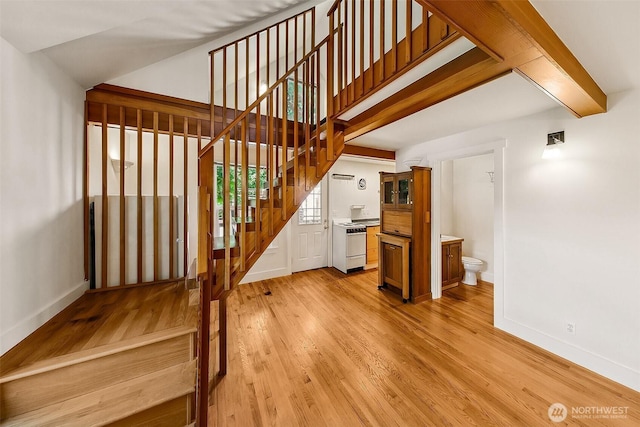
309 231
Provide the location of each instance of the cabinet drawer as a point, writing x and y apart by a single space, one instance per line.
396 222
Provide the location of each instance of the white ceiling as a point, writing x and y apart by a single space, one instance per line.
98 40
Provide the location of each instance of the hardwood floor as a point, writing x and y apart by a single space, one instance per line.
324 348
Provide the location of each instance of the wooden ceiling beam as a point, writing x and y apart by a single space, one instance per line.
467 71
505 28
376 153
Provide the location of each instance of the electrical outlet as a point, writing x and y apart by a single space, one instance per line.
571 328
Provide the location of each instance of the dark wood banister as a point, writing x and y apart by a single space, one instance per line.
262 97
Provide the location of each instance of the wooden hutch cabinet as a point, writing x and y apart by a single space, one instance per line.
405 211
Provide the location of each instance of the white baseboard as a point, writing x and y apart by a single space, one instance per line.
486 276
264 275
17 333
594 362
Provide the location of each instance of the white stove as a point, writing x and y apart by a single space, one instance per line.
349 245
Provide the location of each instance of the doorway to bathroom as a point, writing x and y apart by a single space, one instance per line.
466 212
467 202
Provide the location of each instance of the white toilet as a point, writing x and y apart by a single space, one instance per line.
471 268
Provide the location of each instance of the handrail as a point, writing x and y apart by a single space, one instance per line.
333 7
263 30
268 92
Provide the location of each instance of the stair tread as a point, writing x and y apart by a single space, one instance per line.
102 323
115 402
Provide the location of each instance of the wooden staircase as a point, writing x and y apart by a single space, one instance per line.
289 130
125 357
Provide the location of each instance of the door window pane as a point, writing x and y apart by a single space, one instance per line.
310 211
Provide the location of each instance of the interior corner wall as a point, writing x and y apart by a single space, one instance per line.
571 234
41 209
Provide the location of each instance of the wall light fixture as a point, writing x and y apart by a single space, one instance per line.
554 140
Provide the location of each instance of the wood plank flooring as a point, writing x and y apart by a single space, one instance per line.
328 349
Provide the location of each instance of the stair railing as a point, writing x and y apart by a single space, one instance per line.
277 147
242 70
381 40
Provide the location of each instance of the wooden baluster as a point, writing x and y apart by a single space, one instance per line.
257 217
245 182
227 211
330 72
156 229
304 35
352 45
394 37
286 48
296 135
235 82
123 159
371 44
316 97
313 29
285 154
268 70
340 67
236 173
257 67
277 131
345 52
140 159
425 28
172 237
277 76
185 213
382 28
361 92
224 89
212 85
270 161
105 200
295 41
246 75
409 19
85 193
307 125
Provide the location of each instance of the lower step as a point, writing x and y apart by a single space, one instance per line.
117 402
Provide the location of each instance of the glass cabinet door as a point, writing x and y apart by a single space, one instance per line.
404 190
388 191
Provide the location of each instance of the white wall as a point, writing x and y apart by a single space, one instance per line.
446 198
467 207
276 259
41 214
345 193
571 233
168 76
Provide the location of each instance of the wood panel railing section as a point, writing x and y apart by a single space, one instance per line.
140 163
381 41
